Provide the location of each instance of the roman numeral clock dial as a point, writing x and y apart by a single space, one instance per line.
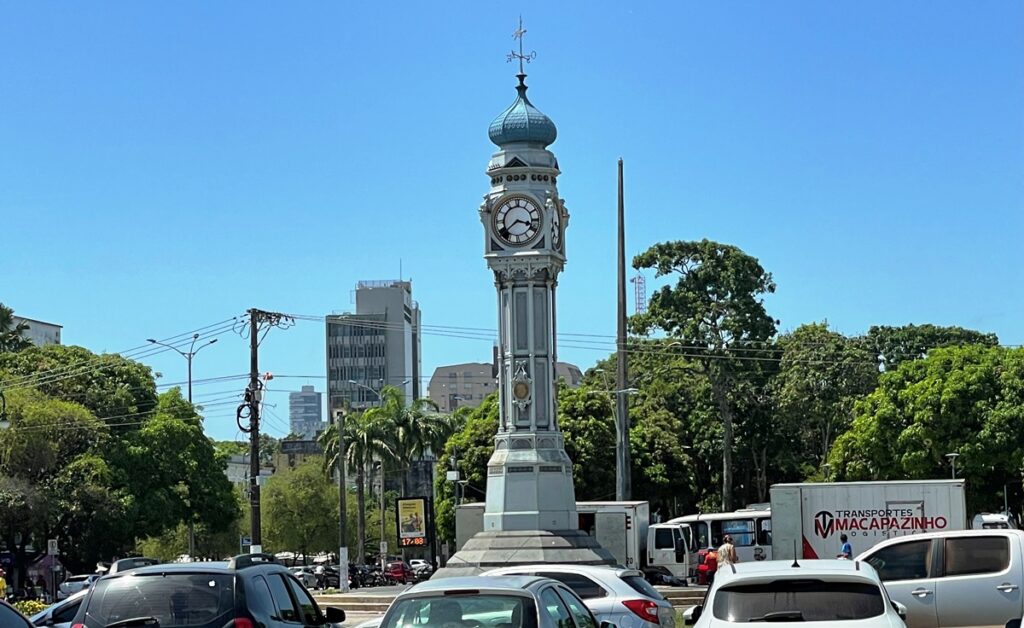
517 220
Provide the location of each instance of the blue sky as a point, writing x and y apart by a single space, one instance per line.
166 166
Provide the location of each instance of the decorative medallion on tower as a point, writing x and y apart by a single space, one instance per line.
524 223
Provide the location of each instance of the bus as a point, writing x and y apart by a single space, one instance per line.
750 529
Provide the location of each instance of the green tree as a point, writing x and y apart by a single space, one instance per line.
585 418
173 472
967 400
716 312
470 448
821 375
300 509
894 345
118 391
414 430
11 333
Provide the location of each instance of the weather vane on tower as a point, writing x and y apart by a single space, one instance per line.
512 56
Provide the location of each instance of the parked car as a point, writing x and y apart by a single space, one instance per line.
963 578
400 571
785 593
305 576
59 615
517 601
74 584
11 618
247 591
619 596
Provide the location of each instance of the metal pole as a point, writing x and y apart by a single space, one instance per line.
342 536
254 433
622 462
383 554
191 512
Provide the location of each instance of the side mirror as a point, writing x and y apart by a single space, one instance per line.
692 614
334 615
900 609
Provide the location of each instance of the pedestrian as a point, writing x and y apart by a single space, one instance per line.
321 577
846 551
3 584
727 552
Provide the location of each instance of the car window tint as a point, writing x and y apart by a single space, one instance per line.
555 609
173 598
795 600
579 612
506 611
259 600
11 618
641 586
582 585
977 554
663 539
67 612
310 613
903 561
282 600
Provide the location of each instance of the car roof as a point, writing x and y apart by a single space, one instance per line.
799 569
491 583
594 570
944 534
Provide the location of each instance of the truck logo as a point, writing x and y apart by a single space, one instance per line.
827 523
824 524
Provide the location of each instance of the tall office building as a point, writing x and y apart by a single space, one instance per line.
305 412
377 345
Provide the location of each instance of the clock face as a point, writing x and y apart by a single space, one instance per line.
517 220
556 226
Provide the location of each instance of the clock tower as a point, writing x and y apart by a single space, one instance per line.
530 511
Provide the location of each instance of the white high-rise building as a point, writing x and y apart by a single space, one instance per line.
305 412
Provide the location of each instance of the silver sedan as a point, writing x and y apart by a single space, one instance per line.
613 594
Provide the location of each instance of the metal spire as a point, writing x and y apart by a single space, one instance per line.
513 55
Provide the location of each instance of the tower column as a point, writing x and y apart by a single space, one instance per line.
530 510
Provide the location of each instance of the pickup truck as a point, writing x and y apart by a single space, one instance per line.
954 578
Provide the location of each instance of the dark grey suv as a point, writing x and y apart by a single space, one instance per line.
249 591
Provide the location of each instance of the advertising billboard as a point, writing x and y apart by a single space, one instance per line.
413 525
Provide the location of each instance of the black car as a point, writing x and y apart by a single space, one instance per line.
249 591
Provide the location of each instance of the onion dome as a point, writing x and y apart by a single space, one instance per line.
522 122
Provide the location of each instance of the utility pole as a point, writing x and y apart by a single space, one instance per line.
250 409
255 396
623 489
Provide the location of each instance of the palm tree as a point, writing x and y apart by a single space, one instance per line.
364 439
11 338
416 430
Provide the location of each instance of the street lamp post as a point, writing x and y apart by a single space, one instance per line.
188 355
952 461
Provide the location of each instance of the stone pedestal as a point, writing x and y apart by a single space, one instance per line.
490 550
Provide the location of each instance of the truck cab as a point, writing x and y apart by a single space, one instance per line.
669 550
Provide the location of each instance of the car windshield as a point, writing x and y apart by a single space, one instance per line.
798 600
174 599
505 611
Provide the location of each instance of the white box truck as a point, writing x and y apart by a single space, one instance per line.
661 550
808 519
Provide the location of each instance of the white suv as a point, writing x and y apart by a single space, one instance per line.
842 593
965 578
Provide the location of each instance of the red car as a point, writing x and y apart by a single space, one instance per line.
400 572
